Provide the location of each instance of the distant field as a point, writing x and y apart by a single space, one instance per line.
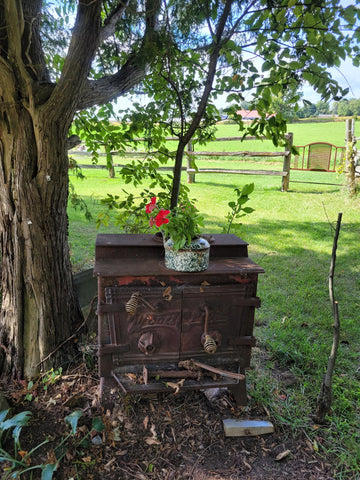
304 133
332 132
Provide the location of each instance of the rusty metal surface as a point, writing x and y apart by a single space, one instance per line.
155 267
150 315
119 246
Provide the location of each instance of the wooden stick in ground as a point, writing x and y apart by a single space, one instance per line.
325 395
223 373
175 374
333 260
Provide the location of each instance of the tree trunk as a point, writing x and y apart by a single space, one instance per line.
37 290
39 307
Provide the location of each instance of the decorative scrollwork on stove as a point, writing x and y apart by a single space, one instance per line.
135 300
209 341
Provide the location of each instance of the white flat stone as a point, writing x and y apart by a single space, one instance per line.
246 428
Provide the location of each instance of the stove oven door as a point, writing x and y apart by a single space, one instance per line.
140 325
217 323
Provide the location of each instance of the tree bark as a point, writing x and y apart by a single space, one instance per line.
38 298
39 306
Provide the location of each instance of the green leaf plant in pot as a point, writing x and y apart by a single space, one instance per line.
185 249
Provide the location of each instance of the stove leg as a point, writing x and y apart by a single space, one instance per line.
239 392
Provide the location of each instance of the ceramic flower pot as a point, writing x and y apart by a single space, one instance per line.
194 258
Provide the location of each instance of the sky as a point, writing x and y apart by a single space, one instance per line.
347 76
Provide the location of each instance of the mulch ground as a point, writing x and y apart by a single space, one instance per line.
158 436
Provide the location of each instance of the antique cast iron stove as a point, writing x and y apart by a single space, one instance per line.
159 324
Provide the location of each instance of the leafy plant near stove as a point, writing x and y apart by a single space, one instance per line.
237 209
131 213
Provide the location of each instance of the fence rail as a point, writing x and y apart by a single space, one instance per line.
318 156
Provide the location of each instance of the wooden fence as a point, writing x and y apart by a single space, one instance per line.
192 154
284 173
319 156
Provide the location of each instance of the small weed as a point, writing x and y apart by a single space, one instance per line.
237 209
50 378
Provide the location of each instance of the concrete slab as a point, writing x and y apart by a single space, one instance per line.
245 428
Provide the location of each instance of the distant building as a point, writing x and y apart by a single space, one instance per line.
250 114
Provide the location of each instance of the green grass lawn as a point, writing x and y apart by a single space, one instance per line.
290 235
332 132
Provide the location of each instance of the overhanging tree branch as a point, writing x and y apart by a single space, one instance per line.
108 88
216 48
80 55
132 72
109 27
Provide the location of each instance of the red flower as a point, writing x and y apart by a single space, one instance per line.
160 217
150 206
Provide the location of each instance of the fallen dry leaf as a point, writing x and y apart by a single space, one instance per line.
282 455
153 430
145 375
152 441
131 376
146 422
176 385
23 454
248 465
140 476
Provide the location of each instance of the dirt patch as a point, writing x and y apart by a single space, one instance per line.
163 436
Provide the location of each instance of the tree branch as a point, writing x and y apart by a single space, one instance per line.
82 48
132 72
333 260
32 51
216 47
109 27
108 88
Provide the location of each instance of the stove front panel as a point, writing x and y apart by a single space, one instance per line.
152 325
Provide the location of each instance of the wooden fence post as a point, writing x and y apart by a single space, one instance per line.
109 161
190 163
287 160
350 157
111 169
